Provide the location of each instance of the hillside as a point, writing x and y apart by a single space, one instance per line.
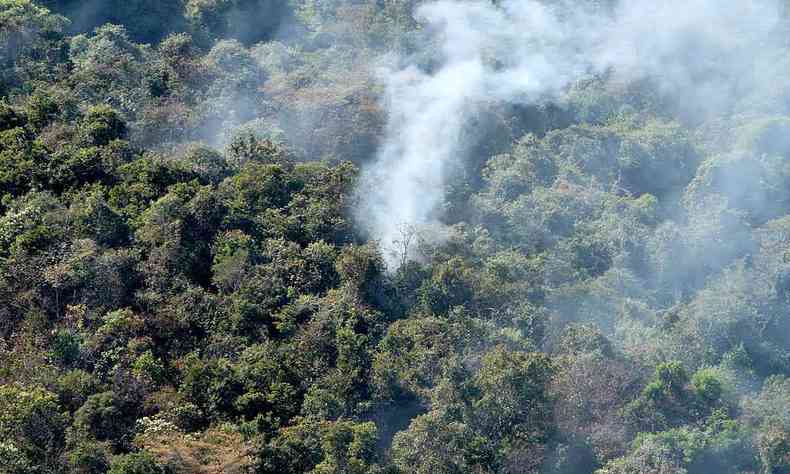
394 236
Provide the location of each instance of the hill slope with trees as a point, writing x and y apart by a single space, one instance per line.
184 287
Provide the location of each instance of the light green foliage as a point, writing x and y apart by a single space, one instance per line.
348 448
432 445
147 366
74 387
706 385
13 460
412 355
135 463
109 65
512 401
32 425
768 413
721 445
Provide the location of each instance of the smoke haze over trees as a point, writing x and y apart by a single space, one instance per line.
401 236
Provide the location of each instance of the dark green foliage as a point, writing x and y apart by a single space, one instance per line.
74 387
9 117
248 21
186 286
31 44
104 417
102 125
143 18
65 348
87 458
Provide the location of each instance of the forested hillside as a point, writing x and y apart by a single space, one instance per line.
394 236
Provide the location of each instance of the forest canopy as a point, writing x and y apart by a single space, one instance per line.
397 236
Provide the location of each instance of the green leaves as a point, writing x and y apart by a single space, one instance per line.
102 125
184 285
30 43
32 425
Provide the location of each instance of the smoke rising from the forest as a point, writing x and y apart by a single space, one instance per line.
706 55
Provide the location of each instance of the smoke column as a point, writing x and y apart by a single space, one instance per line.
703 51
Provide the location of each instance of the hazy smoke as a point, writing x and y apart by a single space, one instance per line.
706 53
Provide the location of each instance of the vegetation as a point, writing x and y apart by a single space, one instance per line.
183 287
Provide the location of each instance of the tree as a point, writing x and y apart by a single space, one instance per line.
767 414
249 21
348 447
106 417
33 425
108 68
102 125
433 445
87 458
31 44
512 401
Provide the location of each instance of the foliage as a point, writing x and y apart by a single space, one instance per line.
186 284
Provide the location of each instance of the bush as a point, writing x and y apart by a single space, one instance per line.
135 463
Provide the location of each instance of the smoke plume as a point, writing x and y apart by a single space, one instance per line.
706 54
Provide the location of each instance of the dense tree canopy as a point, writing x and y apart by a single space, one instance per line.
184 288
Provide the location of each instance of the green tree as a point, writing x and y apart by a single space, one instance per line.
31 44
34 425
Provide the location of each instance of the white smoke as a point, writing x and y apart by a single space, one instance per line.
707 52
